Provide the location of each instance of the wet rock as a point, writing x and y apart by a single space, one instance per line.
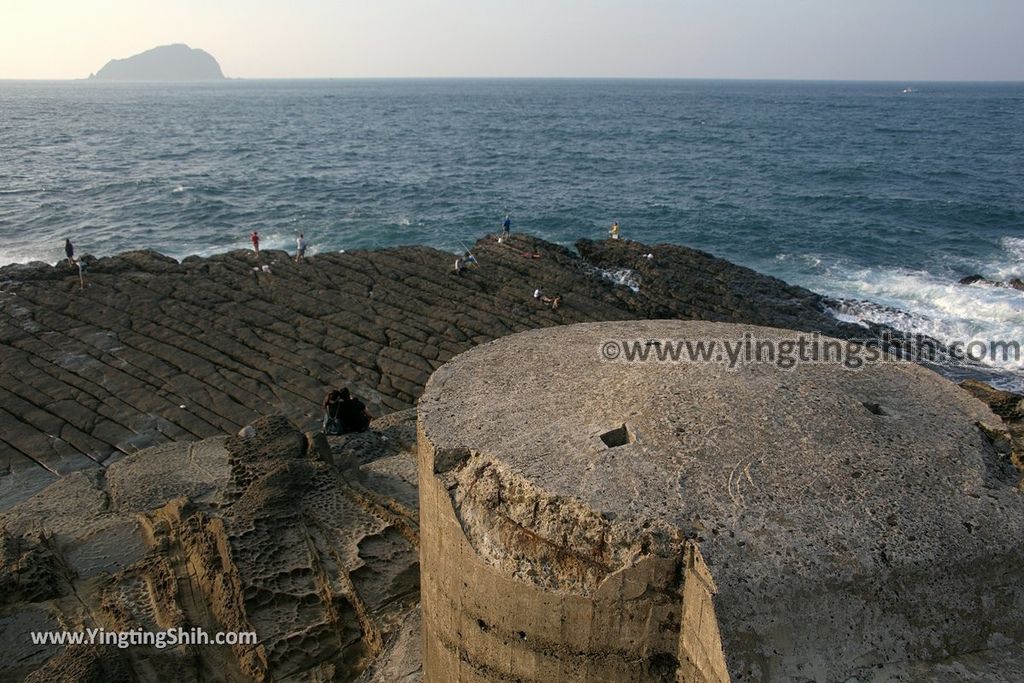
680 282
1005 404
1012 283
141 261
1010 407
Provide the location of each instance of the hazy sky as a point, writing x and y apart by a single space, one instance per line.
818 39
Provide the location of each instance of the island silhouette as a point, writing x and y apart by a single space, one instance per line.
177 62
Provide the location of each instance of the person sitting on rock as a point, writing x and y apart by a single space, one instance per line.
352 414
332 412
460 265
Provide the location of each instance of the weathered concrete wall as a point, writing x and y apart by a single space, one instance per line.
700 641
826 630
482 624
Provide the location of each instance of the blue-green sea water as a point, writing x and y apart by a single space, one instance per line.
884 193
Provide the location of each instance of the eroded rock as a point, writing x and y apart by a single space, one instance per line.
227 534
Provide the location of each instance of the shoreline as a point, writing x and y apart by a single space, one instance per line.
844 310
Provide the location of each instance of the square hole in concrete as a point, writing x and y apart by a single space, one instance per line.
875 408
620 436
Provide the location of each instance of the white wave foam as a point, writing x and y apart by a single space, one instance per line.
813 261
26 255
846 316
625 277
1014 245
1009 264
921 303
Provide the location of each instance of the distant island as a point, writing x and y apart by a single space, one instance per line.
176 62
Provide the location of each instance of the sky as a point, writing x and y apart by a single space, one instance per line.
901 40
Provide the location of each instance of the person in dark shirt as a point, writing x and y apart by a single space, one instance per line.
352 414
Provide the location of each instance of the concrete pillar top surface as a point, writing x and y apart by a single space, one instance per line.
816 472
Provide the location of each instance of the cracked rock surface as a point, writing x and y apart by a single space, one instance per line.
155 351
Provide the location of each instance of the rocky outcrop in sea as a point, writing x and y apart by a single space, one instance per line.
1012 283
177 62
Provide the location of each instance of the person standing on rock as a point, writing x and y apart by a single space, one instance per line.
69 251
613 232
506 228
255 239
300 248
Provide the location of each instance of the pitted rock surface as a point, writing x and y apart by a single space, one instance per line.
227 534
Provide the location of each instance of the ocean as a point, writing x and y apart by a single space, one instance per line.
882 194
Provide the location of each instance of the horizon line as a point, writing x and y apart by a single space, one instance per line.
771 79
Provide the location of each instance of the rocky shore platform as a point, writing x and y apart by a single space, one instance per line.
160 465
155 351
